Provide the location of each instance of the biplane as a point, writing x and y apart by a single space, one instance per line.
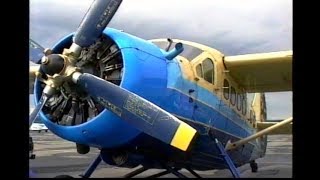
165 103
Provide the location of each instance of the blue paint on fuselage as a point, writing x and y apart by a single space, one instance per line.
204 106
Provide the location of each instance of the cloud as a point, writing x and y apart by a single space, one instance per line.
230 26
249 25
52 20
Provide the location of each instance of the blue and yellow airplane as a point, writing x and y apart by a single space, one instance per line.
162 103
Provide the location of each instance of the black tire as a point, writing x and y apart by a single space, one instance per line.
46 130
63 176
254 167
82 149
254 170
30 144
39 131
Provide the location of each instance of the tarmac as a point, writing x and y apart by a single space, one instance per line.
55 156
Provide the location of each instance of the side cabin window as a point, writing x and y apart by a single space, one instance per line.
239 101
233 96
226 89
264 109
205 70
244 105
252 117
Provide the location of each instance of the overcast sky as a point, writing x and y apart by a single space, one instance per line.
230 26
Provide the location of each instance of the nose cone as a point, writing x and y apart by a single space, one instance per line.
52 64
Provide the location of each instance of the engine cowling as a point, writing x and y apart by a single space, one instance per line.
130 62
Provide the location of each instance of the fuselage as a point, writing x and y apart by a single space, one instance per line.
194 86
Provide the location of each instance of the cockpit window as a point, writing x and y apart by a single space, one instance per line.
199 70
189 52
208 70
205 70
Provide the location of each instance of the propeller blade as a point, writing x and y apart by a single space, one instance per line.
36 52
95 21
47 93
137 111
37 109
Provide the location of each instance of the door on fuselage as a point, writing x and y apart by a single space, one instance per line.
204 68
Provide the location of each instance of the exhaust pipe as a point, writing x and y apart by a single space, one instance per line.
178 48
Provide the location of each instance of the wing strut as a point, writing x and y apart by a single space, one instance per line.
268 130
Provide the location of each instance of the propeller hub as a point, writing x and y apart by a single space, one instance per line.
52 64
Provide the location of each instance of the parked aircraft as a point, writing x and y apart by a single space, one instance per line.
161 103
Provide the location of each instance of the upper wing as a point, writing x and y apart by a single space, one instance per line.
263 72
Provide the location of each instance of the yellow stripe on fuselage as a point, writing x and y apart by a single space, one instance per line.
183 136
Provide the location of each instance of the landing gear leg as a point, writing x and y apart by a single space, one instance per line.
88 172
136 172
254 166
159 174
92 167
228 161
194 173
175 172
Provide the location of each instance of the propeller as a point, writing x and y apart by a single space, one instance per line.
47 93
95 21
137 111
